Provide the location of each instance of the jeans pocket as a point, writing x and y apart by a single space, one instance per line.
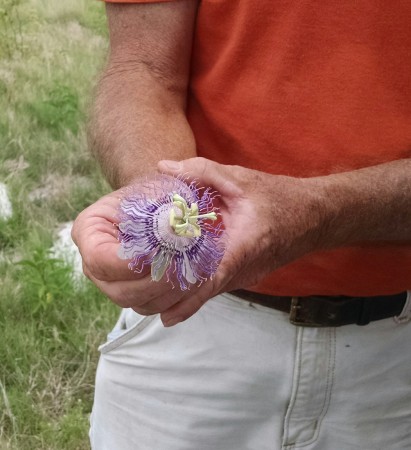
129 324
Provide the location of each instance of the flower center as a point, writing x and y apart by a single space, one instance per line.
183 219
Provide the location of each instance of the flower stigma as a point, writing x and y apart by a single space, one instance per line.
184 219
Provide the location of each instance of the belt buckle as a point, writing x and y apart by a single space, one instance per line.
314 314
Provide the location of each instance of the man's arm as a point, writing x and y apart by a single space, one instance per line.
138 119
139 111
370 204
271 220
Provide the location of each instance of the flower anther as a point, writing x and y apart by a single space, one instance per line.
184 219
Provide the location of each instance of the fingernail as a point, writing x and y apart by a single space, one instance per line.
171 165
173 321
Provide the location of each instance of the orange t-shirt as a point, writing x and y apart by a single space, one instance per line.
307 89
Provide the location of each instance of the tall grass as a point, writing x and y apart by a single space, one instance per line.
50 52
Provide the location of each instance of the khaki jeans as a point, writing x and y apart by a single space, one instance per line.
239 376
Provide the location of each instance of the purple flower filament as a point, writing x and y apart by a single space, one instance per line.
165 223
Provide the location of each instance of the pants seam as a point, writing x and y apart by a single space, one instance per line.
327 395
328 390
296 374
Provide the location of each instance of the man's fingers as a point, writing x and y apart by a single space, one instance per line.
207 172
192 301
104 264
99 247
195 298
95 233
144 296
184 309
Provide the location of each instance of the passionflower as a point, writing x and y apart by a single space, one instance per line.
172 226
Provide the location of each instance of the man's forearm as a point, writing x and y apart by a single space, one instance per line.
139 110
136 122
371 204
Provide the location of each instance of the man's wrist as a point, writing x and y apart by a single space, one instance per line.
371 204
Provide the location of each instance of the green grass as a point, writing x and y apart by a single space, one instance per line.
50 54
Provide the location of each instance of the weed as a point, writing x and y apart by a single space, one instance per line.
50 51
11 37
46 277
58 111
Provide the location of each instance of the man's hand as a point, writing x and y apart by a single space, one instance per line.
95 233
270 220
256 241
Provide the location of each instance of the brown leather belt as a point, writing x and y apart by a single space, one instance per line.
320 311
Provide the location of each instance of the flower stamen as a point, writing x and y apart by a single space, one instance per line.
186 224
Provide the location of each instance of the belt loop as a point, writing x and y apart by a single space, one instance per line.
366 309
294 309
405 315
